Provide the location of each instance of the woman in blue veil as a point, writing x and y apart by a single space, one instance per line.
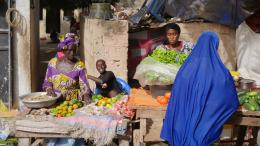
203 97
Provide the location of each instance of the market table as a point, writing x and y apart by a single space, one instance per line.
25 137
151 120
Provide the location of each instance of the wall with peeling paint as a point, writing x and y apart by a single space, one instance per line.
227 35
25 50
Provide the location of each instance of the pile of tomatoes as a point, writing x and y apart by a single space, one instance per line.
163 100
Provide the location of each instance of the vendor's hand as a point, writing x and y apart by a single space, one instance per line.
87 99
50 92
104 85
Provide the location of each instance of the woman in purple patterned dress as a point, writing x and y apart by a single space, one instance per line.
66 74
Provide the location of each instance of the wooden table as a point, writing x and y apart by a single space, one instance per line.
24 138
151 120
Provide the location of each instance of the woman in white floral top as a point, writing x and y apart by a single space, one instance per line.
172 41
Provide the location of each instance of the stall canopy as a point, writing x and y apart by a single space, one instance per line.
227 12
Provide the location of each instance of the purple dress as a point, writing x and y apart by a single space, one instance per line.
72 84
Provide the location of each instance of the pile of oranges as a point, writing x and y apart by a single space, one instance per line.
163 100
66 108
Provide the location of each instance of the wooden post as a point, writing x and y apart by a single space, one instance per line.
136 137
123 142
142 131
38 142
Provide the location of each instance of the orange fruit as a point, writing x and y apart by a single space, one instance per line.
162 100
167 95
75 106
64 108
67 98
70 103
158 98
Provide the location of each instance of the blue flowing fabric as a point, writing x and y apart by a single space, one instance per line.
203 97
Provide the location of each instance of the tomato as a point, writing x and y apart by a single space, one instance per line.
167 95
162 100
159 98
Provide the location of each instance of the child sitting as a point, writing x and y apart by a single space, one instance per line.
106 83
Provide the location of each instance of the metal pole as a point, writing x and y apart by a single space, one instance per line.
10 69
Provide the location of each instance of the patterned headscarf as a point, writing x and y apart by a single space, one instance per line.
70 39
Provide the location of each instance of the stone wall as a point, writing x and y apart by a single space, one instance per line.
108 40
191 32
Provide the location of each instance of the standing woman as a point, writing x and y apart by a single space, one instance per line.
66 74
203 97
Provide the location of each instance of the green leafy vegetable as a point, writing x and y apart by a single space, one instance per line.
250 100
169 56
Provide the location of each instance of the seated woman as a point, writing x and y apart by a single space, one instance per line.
172 40
67 74
106 83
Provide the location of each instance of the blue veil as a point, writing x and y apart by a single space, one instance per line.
203 97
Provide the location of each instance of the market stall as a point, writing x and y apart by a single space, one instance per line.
151 113
99 122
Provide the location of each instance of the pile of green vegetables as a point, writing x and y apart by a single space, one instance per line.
169 56
249 100
96 97
160 68
9 142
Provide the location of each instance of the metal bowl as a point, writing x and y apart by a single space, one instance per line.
39 103
246 84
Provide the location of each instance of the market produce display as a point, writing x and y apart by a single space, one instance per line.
160 68
92 109
105 101
96 97
141 97
116 106
249 100
152 72
235 75
121 108
67 108
163 100
9 142
169 56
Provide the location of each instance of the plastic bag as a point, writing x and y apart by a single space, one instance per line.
124 86
65 142
152 72
247 52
